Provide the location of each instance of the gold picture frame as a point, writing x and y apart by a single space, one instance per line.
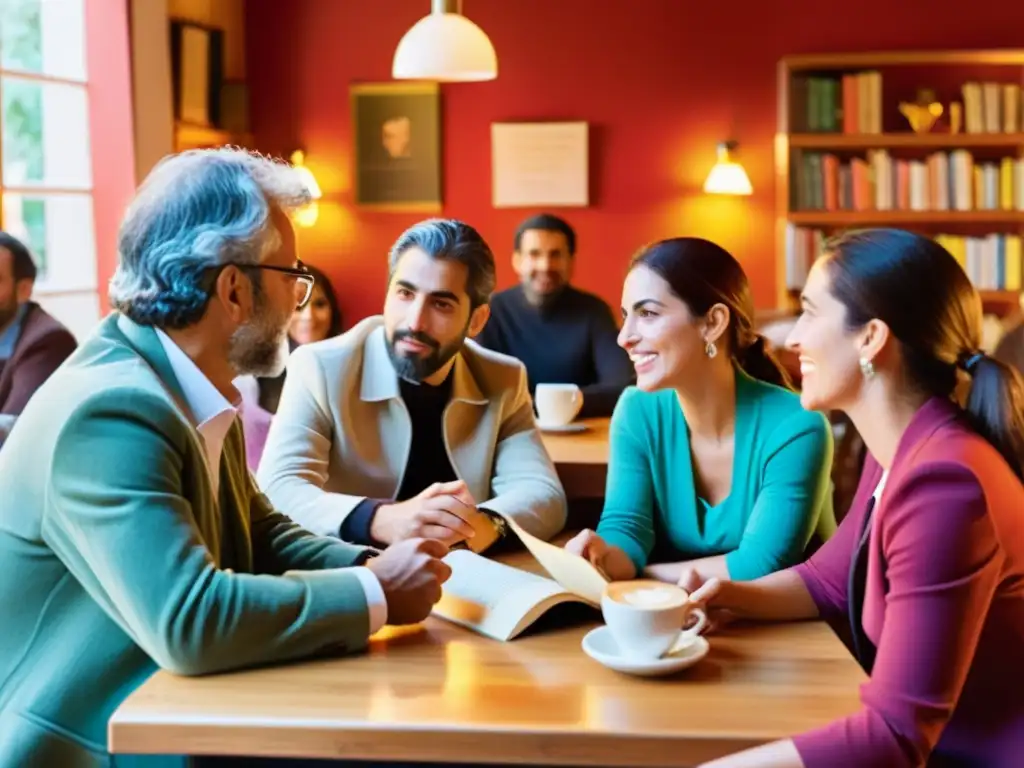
396 134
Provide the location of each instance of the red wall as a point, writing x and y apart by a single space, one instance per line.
110 128
660 81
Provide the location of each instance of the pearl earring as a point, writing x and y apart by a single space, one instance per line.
867 368
710 349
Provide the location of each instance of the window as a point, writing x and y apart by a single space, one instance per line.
45 163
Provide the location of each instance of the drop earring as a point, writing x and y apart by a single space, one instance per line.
867 368
710 349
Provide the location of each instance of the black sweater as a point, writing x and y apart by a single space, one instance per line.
571 341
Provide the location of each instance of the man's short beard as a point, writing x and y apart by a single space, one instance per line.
259 347
416 369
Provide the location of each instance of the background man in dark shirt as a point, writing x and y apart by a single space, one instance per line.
561 334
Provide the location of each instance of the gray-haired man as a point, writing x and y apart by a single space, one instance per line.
131 534
402 427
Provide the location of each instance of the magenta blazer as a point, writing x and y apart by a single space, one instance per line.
943 605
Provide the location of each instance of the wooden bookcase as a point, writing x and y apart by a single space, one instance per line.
907 70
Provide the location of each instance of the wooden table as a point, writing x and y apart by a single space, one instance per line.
581 458
440 693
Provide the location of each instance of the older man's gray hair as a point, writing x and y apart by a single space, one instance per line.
453 240
194 212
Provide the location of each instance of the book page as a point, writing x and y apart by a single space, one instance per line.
571 571
494 599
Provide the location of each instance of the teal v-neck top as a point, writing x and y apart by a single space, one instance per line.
781 492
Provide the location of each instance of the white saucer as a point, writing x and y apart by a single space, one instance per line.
599 645
573 427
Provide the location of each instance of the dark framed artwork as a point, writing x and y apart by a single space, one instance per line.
396 130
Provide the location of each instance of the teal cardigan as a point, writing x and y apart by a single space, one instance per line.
780 496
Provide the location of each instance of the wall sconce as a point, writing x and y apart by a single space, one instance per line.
728 176
307 215
445 46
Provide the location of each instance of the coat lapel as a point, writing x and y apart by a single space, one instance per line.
379 389
235 498
469 451
146 343
26 335
226 511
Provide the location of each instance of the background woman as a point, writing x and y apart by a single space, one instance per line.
927 570
713 463
318 320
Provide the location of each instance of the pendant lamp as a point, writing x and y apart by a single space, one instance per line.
445 46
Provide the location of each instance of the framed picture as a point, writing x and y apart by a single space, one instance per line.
396 128
197 73
539 164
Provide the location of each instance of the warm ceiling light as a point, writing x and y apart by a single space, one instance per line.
298 160
728 176
307 215
445 46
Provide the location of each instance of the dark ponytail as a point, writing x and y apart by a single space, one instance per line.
916 287
995 405
703 274
758 361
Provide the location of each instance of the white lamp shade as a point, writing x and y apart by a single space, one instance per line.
728 179
446 47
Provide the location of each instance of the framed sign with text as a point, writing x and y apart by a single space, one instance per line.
540 164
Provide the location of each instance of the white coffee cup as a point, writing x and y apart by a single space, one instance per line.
647 617
557 404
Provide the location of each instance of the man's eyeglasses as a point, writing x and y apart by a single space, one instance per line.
304 280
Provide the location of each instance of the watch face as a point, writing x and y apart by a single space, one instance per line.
496 520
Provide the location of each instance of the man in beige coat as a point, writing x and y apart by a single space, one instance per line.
402 427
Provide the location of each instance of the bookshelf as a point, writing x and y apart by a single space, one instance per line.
847 158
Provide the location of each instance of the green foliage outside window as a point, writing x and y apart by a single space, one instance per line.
21 113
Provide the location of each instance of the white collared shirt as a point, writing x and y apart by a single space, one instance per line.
214 416
212 412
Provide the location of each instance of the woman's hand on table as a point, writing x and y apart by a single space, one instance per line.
610 561
706 594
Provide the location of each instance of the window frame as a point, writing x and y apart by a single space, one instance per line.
43 290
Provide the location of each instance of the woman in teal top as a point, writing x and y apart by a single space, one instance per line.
714 465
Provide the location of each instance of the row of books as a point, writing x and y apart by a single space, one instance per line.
944 181
992 108
993 262
853 104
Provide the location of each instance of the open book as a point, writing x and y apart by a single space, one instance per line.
501 601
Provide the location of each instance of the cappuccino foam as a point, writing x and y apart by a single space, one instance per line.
650 597
646 594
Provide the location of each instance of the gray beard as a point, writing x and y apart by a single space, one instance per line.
260 348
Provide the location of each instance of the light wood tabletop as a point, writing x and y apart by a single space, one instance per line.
587 447
437 692
581 458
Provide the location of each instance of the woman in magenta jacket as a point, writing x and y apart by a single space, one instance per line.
927 569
